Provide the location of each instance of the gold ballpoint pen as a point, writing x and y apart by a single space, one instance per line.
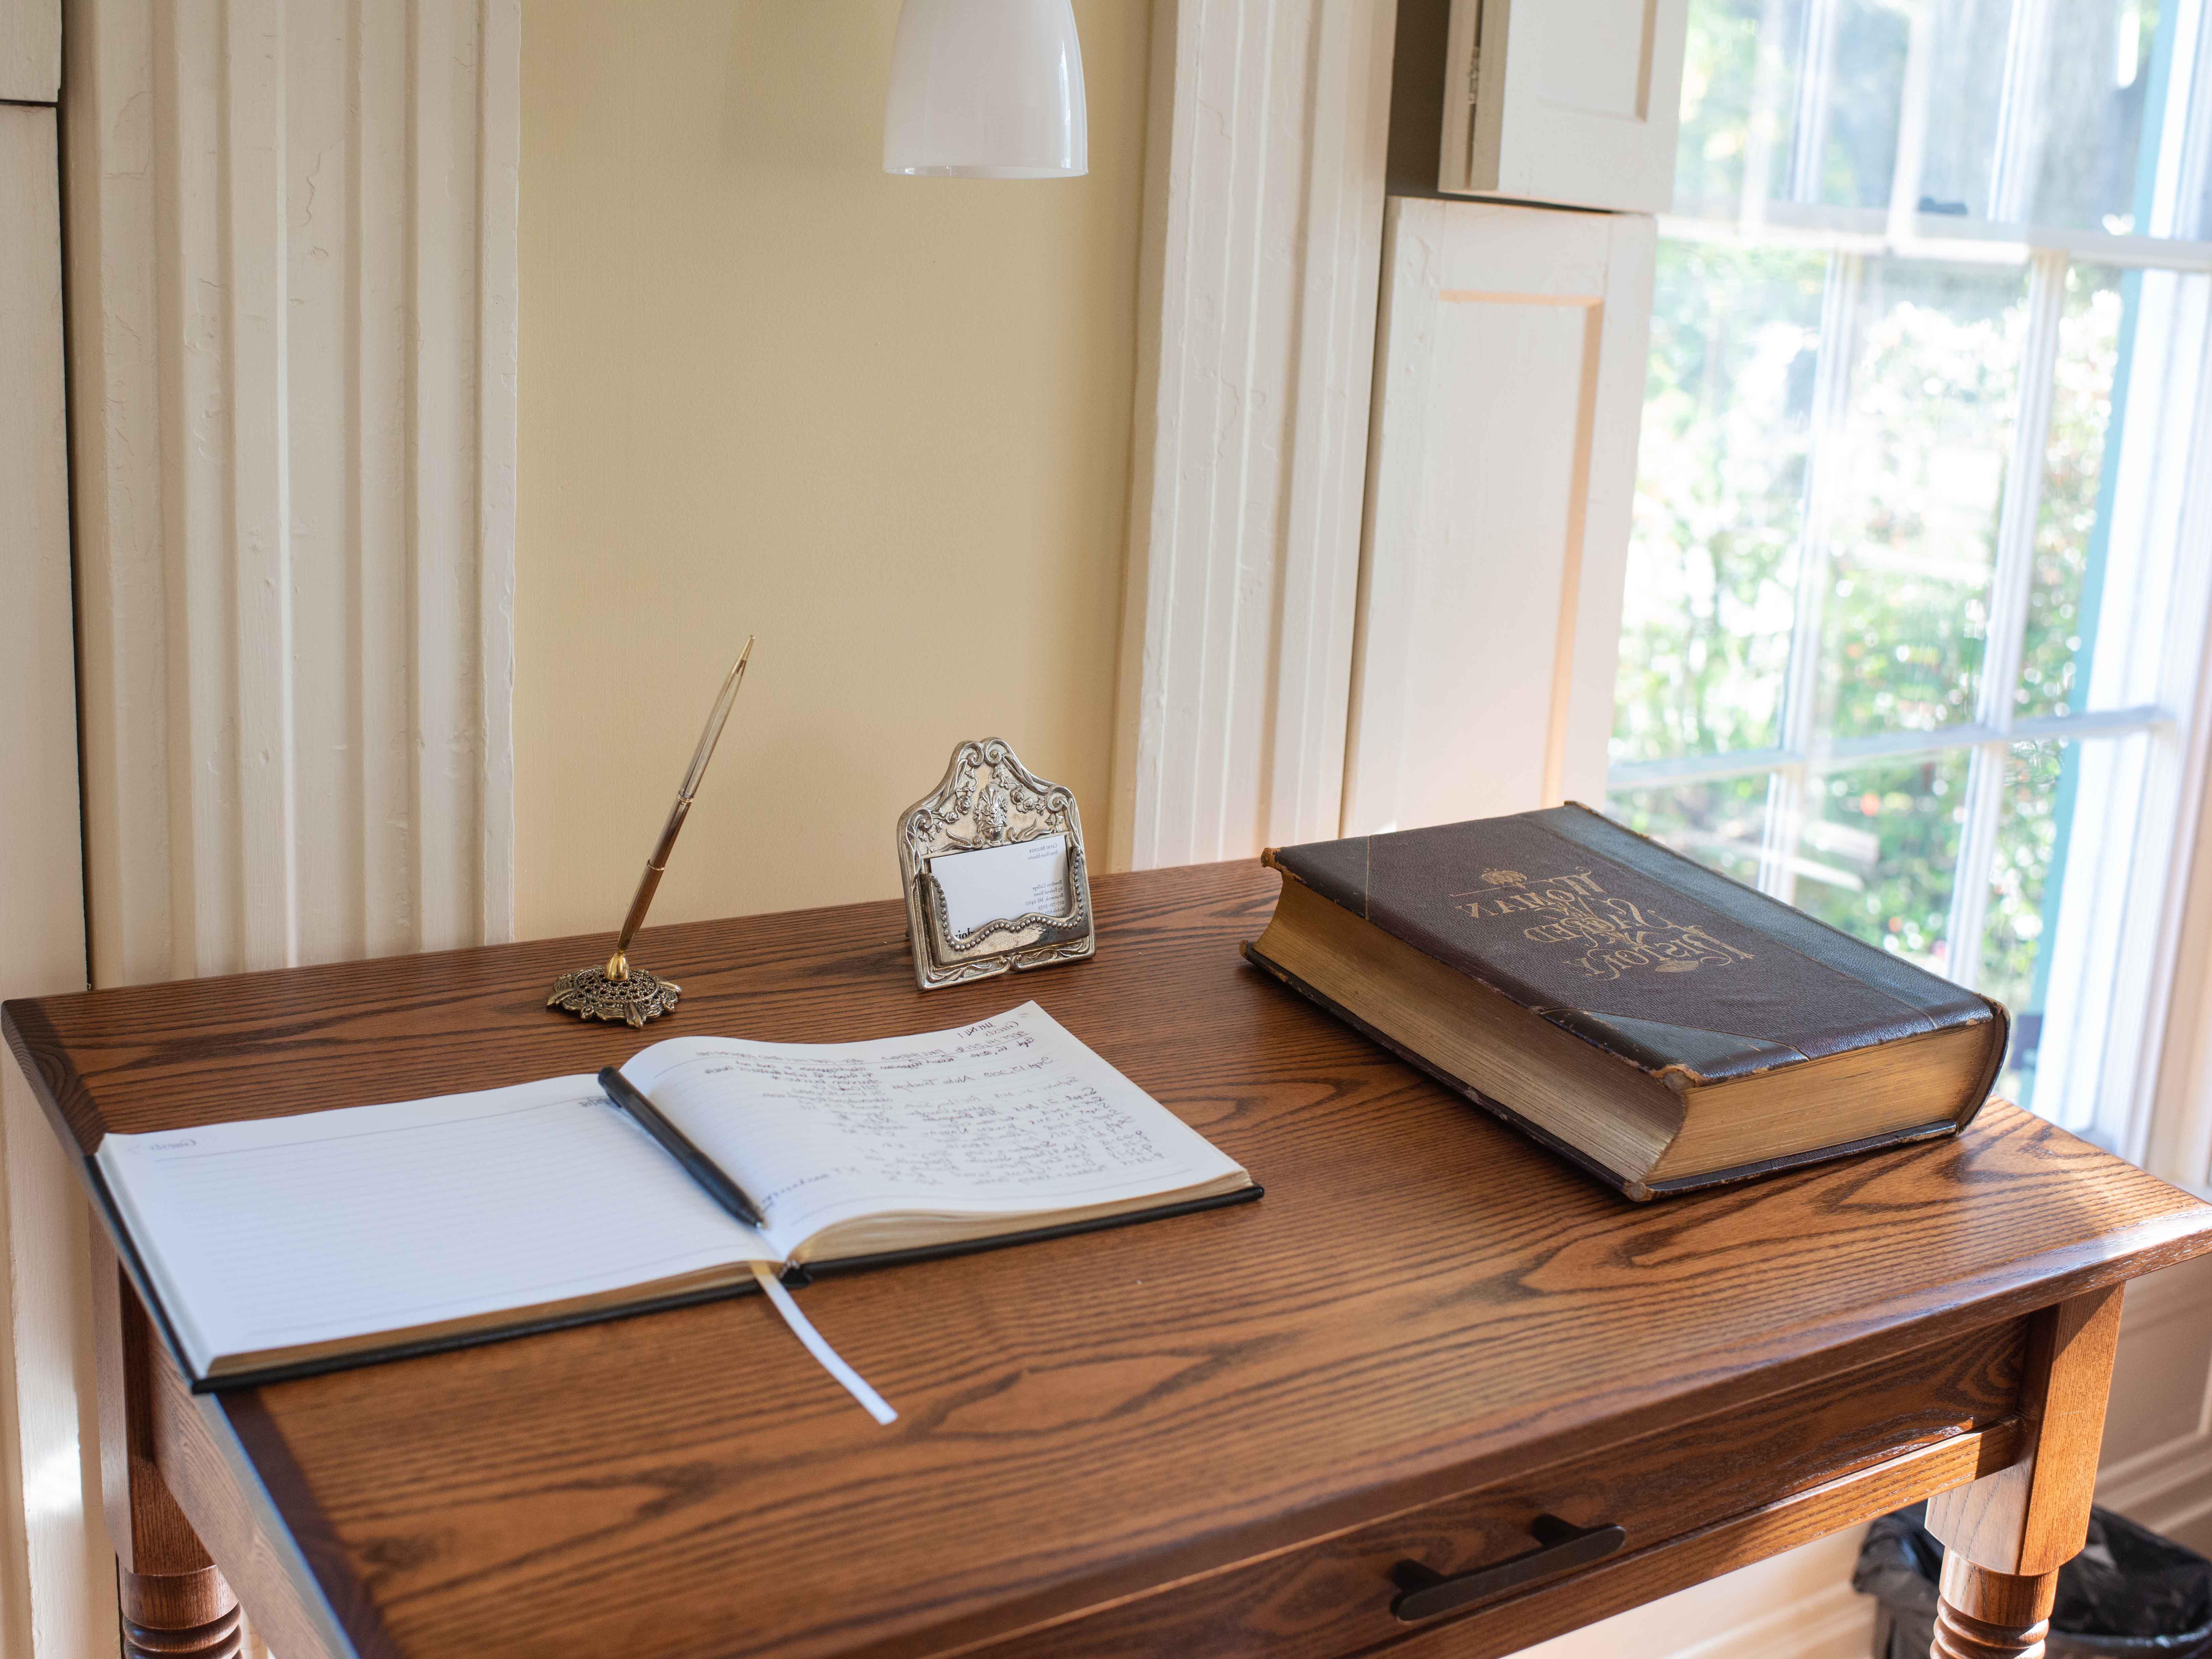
618 991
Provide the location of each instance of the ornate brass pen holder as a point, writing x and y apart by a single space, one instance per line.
617 990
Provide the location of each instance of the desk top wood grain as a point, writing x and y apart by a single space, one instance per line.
1422 1303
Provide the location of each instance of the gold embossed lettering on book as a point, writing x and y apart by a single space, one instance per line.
1659 1024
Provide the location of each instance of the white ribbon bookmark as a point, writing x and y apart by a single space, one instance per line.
855 1384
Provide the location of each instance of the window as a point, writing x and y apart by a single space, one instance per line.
1917 595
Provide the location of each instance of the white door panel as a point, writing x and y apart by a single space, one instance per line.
1573 101
1512 350
30 50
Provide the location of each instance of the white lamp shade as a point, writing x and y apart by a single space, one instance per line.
987 89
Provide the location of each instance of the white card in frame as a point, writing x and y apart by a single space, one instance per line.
992 865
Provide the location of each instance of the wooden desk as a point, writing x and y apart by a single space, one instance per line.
1212 1434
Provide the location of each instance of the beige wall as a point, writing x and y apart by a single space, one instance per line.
881 422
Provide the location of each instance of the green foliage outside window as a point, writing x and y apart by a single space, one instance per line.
1921 450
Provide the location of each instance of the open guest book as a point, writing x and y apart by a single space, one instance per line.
287 1245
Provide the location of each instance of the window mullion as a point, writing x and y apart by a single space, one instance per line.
1824 464
1931 236
2020 124
1785 815
2170 194
1963 935
1769 123
1912 123
1901 745
2010 583
1816 76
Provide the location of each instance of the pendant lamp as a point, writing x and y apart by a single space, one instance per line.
987 89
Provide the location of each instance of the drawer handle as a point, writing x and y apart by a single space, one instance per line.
1560 1544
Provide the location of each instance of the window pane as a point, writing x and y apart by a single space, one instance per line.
1790 102
1919 477
1711 566
2077 154
1826 445
1722 822
2111 546
2070 524
1878 853
1721 65
2028 822
2060 114
1969 37
1845 143
2059 949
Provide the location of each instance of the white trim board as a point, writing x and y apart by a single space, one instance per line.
1261 248
57 1576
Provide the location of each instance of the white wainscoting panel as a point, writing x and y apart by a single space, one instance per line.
2157 1429
1263 223
1510 386
1798 1605
291 230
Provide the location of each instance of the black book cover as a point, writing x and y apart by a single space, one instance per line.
1633 947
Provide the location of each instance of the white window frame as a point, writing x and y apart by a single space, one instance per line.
2137 961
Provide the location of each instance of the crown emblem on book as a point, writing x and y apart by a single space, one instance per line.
1503 878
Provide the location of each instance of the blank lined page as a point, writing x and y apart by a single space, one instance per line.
290 1230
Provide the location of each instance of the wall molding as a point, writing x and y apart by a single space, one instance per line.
1261 255
1831 1623
292 282
2163 1375
2167 1489
1798 1605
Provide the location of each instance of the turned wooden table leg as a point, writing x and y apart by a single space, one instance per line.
175 1603
2006 1536
183 1613
1991 1615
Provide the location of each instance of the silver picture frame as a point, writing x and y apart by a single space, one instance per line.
988 799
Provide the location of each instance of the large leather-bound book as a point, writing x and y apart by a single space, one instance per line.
1659 1024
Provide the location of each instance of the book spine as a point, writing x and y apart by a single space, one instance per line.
2000 1044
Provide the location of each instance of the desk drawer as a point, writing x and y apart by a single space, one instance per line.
1721 1492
